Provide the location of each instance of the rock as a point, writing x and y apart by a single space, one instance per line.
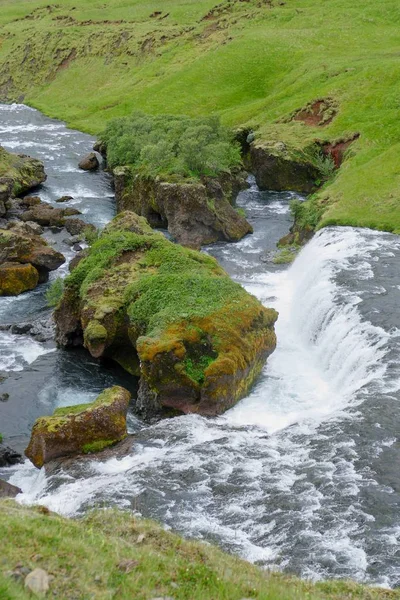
86 428
4 397
194 213
25 172
90 162
6 190
77 226
30 201
29 249
47 215
8 491
37 582
101 148
28 228
276 169
169 315
77 248
75 239
16 278
65 199
9 457
42 329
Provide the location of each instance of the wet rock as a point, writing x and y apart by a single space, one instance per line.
87 428
78 226
29 249
42 329
194 213
37 582
277 169
16 278
65 199
90 162
6 189
169 315
4 397
77 248
9 457
101 148
30 201
47 215
7 490
75 239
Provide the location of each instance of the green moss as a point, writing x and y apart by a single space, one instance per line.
97 446
195 368
286 255
65 411
55 292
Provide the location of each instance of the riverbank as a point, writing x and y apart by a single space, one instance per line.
266 65
114 554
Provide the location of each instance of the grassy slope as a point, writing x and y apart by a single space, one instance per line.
85 558
250 63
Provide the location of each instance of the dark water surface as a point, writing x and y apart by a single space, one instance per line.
303 474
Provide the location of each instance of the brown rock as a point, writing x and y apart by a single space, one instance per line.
90 162
7 490
64 199
194 213
86 428
77 226
47 215
32 249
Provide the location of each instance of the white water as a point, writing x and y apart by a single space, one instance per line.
280 466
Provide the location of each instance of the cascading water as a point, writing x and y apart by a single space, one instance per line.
301 475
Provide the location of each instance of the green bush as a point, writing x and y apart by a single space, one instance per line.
171 145
54 293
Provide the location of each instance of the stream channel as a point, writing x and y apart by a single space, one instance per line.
303 475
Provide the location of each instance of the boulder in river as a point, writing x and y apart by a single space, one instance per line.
29 249
47 215
168 314
194 213
9 457
16 278
25 172
82 429
90 162
277 168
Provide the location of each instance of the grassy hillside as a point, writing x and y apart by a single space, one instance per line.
251 61
113 555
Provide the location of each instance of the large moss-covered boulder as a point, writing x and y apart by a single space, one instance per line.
16 278
169 315
19 247
82 429
194 213
24 171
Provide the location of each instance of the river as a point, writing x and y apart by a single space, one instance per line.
303 474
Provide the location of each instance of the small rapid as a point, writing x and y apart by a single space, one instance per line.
302 475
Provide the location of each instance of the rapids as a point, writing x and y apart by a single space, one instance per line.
303 474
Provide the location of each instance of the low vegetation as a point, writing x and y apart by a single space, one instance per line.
111 554
170 145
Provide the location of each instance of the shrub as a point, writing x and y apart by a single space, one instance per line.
55 291
171 145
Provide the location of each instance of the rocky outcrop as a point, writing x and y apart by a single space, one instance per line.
169 315
90 162
26 249
86 428
276 168
25 172
194 213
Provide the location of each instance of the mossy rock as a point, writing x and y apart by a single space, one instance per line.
171 316
81 429
16 278
25 172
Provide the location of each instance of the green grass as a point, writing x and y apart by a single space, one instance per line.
111 554
250 64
